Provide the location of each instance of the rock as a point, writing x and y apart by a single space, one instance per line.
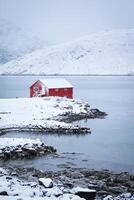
131 184
8 177
85 193
55 191
122 178
46 182
132 177
3 193
32 152
76 175
71 197
116 190
33 184
69 184
92 186
102 193
25 151
109 197
126 195
101 185
96 113
14 174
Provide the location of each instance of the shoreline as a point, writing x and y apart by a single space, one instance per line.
107 184
71 75
61 130
47 114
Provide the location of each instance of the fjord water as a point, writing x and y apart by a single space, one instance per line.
111 143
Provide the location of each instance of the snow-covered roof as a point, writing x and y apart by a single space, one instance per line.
56 83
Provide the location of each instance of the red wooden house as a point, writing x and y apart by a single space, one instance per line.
51 87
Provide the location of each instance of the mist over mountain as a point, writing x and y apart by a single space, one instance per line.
103 53
14 42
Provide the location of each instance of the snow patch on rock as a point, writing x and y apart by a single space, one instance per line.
13 148
46 182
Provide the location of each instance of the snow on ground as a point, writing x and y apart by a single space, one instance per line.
38 112
20 189
14 188
107 52
14 142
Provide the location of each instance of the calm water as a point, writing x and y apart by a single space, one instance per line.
111 144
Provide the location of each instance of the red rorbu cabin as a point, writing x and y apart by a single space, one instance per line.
51 87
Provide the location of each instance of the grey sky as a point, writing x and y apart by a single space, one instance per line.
59 21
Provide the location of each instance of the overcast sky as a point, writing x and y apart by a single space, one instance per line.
59 21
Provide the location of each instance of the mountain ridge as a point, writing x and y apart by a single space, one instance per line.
14 42
104 53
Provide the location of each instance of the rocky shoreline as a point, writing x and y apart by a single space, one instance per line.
67 118
43 129
106 185
19 148
92 113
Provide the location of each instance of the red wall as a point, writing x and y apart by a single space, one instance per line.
35 89
62 92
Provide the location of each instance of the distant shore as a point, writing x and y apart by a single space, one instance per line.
66 75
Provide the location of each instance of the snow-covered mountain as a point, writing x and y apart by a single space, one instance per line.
14 42
109 52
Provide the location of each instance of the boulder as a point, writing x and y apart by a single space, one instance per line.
3 193
116 189
109 197
85 193
122 178
55 191
126 195
46 182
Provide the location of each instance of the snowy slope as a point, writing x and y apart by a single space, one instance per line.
14 42
109 52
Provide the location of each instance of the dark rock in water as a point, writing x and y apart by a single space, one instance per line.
89 114
3 193
88 195
96 113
